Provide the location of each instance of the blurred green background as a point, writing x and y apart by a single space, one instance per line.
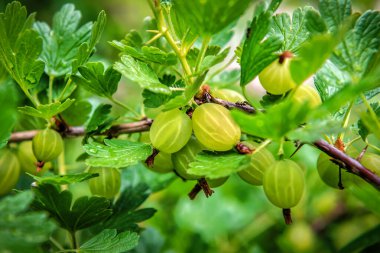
238 217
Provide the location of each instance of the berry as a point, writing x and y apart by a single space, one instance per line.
9 171
306 93
162 163
107 184
47 145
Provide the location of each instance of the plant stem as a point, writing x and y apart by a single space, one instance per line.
345 121
62 167
262 145
50 95
74 240
56 243
126 107
221 69
202 53
68 83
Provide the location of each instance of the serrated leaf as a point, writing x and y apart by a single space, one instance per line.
98 81
47 111
85 49
62 41
298 29
334 12
258 50
8 113
83 213
110 241
78 113
217 165
276 122
140 73
201 19
21 231
311 56
116 153
153 100
63 179
100 119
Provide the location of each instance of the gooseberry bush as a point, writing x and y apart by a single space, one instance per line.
200 119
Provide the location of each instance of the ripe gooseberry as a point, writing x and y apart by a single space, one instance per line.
253 172
284 183
170 131
276 78
107 184
228 95
47 145
27 159
9 171
306 93
215 128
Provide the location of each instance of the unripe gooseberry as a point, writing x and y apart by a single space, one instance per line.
27 159
9 171
276 78
186 155
215 128
329 172
162 163
170 131
47 145
107 184
253 172
306 93
372 162
284 184
228 95
216 182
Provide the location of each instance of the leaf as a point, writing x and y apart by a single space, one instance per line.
311 56
295 31
47 111
86 49
217 165
334 12
116 153
100 119
109 241
205 12
352 58
78 113
8 113
363 241
63 179
276 122
21 231
62 41
258 50
140 73
83 213
211 60
370 123
96 80
153 100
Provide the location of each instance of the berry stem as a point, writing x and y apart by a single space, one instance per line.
194 192
205 187
150 160
287 216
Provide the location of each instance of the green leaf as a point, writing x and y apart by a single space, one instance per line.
365 240
311 56
352 58
370 123
96 80
86 49
21 231
201 19
212 165
211 60
62 41
258 49
63 179
295 31
116 153
153 100
334 12
78 113
47 111
83 213
140 73
276 122
100 119
109 241
8 113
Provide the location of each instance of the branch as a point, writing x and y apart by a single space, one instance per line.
133 127
350 163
